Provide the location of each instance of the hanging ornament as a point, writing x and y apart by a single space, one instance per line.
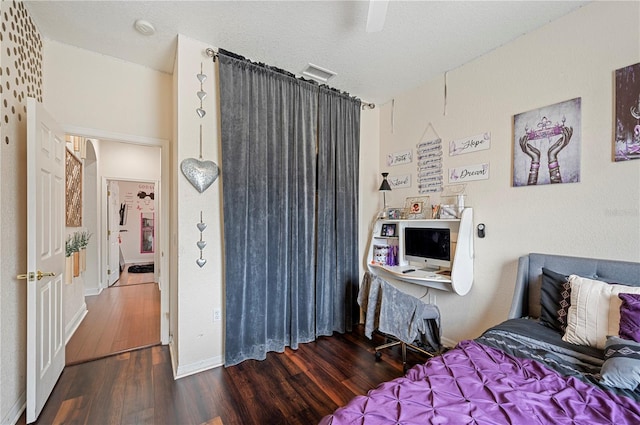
201 174
201 244
201 94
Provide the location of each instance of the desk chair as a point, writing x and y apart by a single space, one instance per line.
393 341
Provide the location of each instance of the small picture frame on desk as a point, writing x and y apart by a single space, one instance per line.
417 207
388 229
394 213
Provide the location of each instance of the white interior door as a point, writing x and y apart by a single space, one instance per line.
45 256
113 231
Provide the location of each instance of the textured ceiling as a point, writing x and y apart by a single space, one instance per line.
420 39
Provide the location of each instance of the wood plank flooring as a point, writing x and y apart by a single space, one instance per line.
127 278
294 387
119 319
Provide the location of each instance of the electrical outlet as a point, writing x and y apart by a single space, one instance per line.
217 314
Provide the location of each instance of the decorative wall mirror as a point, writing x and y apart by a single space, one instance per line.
146 232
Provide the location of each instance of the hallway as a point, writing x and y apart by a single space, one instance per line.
123 317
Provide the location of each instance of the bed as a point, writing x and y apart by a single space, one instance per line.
568 354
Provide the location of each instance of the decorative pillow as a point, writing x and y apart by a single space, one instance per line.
555 296
630 316
594 312
621 368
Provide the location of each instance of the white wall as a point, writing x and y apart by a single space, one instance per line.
575 56
130 232
88 90
370 200
142 164
91 217
197 339
113 101
126 161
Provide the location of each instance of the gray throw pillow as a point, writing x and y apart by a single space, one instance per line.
621 368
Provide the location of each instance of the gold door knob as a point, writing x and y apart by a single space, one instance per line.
43 274
32 276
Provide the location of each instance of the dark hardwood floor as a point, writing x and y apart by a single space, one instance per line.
294 387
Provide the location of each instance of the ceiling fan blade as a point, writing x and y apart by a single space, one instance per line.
377 14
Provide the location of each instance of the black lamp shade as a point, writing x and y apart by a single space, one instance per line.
385 184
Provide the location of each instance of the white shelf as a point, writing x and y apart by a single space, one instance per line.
459 279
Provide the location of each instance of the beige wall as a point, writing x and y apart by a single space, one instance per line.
598 217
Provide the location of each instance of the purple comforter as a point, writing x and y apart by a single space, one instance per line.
476 384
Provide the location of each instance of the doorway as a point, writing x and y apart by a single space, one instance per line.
131 231
126 318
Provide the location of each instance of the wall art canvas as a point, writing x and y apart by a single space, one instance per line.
627 132
546 144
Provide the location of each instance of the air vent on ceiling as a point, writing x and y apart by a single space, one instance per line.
317 73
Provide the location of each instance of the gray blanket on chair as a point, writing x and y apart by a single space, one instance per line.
396 313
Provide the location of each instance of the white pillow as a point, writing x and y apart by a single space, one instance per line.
594 312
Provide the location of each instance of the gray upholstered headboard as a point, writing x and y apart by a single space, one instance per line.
526 297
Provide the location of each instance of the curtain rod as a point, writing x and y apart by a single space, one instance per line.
211 53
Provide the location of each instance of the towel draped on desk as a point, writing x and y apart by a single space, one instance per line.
396 313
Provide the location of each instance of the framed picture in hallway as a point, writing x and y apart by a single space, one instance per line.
73 190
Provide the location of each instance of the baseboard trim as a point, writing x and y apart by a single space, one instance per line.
13 415
448 342
197 367
92 292
174 361
71 328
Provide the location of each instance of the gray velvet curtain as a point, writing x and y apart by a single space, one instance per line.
337 232
269 129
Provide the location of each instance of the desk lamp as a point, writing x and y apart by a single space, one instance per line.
384 187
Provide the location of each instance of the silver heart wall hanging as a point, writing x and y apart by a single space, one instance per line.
201 244
201 262
201 174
